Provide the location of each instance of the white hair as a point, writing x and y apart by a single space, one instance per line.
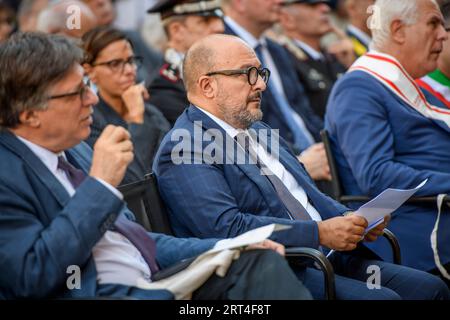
385 12
54 17
50 20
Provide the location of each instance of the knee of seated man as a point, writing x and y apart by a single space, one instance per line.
384 294
434 288
269 264
266 262
267 259
275 269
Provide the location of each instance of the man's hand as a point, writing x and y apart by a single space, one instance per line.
376 232
113 152
134 98
342 233
342 49
316 163
268 244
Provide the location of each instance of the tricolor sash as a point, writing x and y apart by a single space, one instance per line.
392 75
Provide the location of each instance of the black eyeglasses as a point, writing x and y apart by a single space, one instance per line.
82 92
118 65
252 74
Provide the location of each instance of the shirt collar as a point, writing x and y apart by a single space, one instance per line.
361 35
230 130
49 158
244 34
313 53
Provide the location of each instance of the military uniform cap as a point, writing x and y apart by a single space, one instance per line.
169 8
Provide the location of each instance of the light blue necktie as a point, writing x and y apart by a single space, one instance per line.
301 141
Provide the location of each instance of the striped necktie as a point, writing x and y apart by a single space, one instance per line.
293 206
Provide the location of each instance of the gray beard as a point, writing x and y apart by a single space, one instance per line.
239 116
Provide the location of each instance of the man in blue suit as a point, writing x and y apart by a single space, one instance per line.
64 229
222 172
285 105
385 134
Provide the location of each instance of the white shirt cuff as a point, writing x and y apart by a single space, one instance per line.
116 192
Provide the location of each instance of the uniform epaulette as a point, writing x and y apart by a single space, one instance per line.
292 47
170 72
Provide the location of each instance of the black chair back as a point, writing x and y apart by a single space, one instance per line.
143 199
335 182
338 196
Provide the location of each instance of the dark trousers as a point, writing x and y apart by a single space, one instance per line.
256 275
438 273
355 275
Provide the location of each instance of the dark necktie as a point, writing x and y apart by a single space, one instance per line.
294 207
75 176
134 232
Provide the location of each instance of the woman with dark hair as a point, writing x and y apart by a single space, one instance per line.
112 66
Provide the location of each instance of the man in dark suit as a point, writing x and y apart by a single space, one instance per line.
184 21
64 229
222 172
304 23
285 105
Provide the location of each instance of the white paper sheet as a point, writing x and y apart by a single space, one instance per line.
250 237
384 204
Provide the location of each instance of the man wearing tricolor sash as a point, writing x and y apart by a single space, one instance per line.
388 133
438 82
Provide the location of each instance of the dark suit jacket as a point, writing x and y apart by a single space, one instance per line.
225 200
167 93
318 78
43 230
146 137
295 93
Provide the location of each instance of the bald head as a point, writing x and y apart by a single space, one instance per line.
61 18
209 54
223 76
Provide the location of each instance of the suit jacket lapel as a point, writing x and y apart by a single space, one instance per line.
16 146
291 163
280 59
250 170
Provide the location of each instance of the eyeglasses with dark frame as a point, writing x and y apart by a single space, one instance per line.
82 92
252 74
118 65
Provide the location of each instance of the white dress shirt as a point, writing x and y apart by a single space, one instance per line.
274 165
313 53
275 78
116 259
